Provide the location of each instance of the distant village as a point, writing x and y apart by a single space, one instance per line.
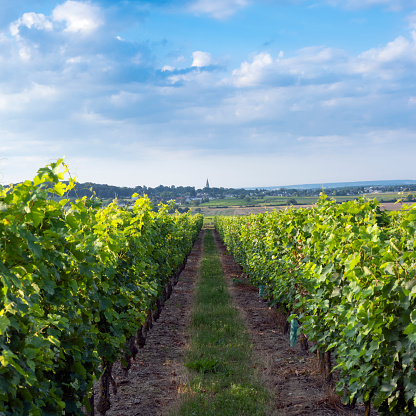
188 196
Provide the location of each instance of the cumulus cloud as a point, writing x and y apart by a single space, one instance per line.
328 65
219 9
252 73
29 20
201 59
389 61
79 17
309 63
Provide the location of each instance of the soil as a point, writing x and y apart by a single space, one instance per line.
157 376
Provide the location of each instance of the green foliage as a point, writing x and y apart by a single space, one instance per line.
203 365
348 272
76 280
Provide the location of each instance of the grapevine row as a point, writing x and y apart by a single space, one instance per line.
347 272
77 280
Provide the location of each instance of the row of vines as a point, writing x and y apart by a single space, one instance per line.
347 273
78 282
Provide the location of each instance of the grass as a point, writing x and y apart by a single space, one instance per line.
208 220
222 378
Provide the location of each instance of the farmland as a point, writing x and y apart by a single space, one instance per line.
87 282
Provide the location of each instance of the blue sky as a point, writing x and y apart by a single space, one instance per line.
244 92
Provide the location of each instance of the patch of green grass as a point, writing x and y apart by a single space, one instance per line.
220 360
208 220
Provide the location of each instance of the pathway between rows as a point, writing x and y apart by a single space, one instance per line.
157 379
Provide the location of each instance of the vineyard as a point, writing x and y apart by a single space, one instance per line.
80 285
344 275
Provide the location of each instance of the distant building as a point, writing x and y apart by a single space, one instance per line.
207 185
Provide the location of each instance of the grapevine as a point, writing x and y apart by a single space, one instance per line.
347 273
77 282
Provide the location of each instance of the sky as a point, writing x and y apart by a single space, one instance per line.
246 93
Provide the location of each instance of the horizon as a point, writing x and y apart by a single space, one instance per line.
394 182
268 91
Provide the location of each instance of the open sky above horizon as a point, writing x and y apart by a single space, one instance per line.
247 93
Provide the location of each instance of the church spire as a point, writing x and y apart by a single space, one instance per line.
207 185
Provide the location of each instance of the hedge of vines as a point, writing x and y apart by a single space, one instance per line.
348 273
76 282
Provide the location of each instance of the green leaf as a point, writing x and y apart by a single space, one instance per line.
410 329
4 323
34 246
60 188
9 279
367 271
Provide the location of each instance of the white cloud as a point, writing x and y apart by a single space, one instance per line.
219 9
328 65
201 59
389 61
28 98
29 20
308 64
79 17
251 74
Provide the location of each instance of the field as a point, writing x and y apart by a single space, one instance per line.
274 201
210 212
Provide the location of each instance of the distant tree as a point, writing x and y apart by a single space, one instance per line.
247 199
292 201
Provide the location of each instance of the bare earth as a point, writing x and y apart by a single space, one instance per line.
154 383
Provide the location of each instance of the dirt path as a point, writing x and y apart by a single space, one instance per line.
289 372
152 384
